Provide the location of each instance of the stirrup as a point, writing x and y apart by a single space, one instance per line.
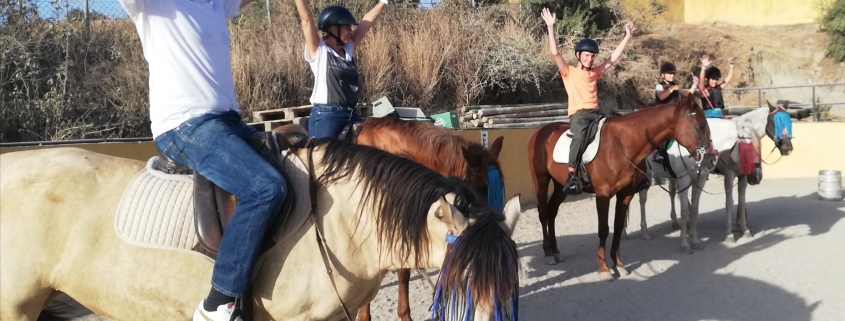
572 185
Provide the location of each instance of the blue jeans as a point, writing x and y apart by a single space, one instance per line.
220 147
329 120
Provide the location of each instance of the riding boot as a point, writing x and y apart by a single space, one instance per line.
572 185
644 184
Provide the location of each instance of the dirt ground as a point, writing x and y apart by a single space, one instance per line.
784 272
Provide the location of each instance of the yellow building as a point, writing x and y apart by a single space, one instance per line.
736 12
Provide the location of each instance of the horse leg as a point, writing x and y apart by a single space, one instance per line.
558 196
643 225
741 210
684 184
541 189
364 313
602 208
673 190
623 199
729 203
693 222
404 309
24 299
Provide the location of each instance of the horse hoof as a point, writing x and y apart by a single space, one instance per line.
676 226
645 236
605 276
550 260
747 234
559 257
622 271
730 239
697 246
686 249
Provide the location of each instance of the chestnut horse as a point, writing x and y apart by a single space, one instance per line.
617 168
443 151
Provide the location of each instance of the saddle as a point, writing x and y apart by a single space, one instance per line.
214 207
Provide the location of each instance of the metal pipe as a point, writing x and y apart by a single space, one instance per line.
78 141
802 86
269 21
87 18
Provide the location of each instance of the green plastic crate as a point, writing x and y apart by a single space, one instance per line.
448 120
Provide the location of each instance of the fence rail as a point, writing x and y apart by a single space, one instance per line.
813 104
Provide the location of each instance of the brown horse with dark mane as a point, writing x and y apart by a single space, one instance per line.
617 169
443 151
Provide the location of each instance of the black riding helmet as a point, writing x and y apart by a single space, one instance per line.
668 68
713 73
588 45
334 16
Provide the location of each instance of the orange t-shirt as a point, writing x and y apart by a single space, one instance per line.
581 87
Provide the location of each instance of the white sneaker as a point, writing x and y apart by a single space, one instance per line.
223 313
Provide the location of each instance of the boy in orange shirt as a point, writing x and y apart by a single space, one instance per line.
580 84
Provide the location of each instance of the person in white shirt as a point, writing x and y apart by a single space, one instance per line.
196 123
336 88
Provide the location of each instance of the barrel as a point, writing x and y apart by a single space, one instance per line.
830 185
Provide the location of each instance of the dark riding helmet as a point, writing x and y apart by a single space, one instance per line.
587 44
334 15
713 73
668 68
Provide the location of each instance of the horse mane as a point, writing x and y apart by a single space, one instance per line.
439 148
402 191
484 247
398 189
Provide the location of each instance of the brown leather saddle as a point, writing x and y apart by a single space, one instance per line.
214 206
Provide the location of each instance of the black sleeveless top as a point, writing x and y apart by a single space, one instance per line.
673 97
715 96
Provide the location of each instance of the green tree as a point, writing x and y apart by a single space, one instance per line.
834 23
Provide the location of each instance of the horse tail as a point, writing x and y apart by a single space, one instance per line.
480 271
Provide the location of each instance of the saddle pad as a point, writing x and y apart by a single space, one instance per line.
561 151
157 209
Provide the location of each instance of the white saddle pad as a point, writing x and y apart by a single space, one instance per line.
157 209
561 152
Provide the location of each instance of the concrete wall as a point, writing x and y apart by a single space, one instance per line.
817 146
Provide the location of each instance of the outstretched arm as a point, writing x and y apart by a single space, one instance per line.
368 21
730 73
617 53
550 19
309 28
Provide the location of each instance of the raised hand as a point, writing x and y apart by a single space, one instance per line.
548 17
705 61
629 28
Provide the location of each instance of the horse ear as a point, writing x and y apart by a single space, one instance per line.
771 107
513 209
453 219
496 148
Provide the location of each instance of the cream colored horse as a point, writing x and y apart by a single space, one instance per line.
378 212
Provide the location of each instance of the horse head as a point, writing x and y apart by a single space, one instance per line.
692 132
783 140
483 172
479 272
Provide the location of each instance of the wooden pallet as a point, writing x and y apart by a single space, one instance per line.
269 125
299 112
